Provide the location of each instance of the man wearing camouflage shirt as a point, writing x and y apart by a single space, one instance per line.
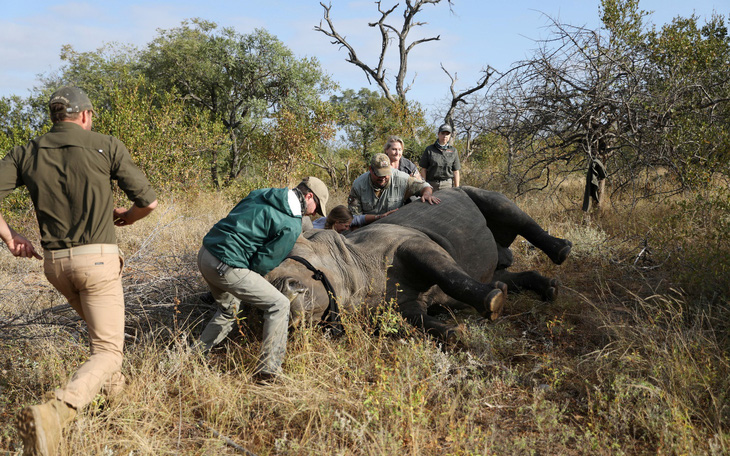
382 190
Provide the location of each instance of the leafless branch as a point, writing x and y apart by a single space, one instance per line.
387 31
460 97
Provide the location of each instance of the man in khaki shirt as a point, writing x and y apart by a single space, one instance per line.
382 190
67 172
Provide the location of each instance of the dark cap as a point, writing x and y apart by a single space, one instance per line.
73 98
445 127
320 191
380 164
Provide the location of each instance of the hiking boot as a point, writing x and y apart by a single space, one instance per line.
40 427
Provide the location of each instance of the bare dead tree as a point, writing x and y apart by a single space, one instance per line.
501 112
628 99
557 110
378 73
461 97
339 178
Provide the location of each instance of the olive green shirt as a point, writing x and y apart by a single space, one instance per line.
69 173
440 163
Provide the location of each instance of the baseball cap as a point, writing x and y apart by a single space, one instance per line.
380 164
445 127
73 98
320 191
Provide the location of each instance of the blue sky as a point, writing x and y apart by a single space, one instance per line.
478 32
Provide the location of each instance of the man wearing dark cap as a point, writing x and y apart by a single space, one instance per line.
254 238
67 173
440 162
382 190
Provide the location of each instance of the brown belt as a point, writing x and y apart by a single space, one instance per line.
88 249
437 183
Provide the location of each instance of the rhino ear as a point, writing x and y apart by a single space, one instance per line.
297 294
293 288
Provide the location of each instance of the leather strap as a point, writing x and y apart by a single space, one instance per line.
331 316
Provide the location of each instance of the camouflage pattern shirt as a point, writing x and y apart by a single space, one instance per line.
367 199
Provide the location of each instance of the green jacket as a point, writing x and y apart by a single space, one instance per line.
258 233
68 173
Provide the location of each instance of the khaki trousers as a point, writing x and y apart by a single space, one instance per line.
440 185
236 285
90 277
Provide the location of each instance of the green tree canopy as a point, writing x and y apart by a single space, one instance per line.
170 142
367 118
20 120
248 83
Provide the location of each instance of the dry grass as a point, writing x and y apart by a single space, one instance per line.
631 359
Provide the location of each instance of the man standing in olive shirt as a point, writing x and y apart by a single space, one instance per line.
440 162
67 172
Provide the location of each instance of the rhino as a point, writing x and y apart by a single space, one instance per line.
420 256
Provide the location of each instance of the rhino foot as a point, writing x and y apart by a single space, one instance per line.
551 293
502 286
562 252
453 335
495 302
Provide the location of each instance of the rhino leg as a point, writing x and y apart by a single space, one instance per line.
418 264
546 287
507 220
414 310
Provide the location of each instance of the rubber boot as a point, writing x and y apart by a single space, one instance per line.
40 426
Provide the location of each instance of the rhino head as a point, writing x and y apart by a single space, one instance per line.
307 296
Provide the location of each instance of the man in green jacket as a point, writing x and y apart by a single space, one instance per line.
67 172
254 238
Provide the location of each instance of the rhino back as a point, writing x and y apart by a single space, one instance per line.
456 224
